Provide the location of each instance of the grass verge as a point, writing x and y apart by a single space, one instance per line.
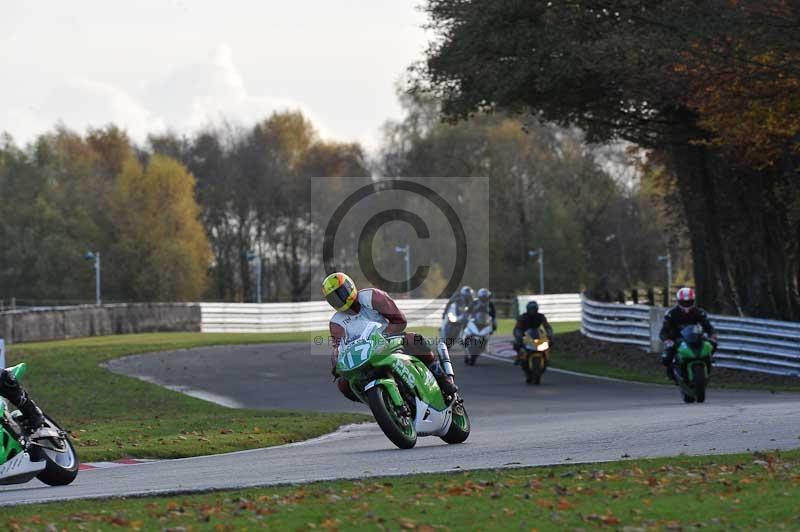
742 491
112 416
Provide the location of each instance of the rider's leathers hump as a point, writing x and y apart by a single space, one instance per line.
354 324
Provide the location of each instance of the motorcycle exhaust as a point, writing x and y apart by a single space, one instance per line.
444 358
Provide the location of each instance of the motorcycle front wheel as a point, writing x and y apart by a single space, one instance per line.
397 426
62 467
699 383
533 368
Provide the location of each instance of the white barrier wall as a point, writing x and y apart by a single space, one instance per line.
749 344
557 307
314 315
305 316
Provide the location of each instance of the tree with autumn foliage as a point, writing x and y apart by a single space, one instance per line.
67 193
160 251
709 85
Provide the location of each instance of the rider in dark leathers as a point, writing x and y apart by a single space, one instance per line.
532 319
683 314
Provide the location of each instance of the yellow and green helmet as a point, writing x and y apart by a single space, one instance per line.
339 290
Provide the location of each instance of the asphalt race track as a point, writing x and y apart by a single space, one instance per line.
568 419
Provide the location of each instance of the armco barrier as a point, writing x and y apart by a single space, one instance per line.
305 316
749 344
314 315
58 323
80 321
557 307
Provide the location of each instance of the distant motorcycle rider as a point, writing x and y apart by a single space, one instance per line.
463 298
532 319
356 309
11 389
684 313
484 303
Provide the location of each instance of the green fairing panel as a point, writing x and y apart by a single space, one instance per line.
387 353
392 390
686 353
9 450
9 446
416 375
19 370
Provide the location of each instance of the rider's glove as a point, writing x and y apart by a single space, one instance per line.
668 344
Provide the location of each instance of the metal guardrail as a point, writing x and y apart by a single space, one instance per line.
305 316
557 307
748 344
314 315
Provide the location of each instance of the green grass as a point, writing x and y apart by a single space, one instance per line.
112 416
742 491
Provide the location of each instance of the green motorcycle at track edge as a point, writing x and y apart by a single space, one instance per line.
51 458
401 391
693 364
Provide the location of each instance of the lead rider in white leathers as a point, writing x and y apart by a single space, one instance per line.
358 309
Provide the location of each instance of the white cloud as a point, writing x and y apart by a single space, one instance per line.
211 91
188 99
78 104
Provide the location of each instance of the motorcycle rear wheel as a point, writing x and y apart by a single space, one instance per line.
399 429
61 468
460 426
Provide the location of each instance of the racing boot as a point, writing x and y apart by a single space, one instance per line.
442 369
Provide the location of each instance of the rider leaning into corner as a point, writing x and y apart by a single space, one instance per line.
11 389
683 314
355 309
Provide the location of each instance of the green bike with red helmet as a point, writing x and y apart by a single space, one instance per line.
692 366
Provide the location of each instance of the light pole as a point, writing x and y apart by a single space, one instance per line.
95 258
255 258
668 259
539 253
406 251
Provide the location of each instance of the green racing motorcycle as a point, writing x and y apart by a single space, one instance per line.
693 364
400 390
51 458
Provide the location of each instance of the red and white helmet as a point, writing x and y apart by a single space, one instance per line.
685 298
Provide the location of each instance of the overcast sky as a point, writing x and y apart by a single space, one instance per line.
151 64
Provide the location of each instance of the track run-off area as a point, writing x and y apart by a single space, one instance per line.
569 418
